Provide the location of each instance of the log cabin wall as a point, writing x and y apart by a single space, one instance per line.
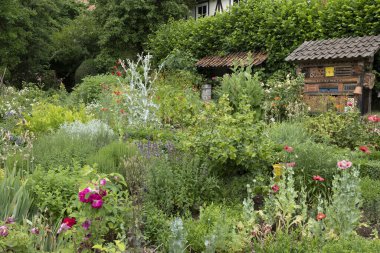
330 85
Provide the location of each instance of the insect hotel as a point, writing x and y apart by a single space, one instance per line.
338 72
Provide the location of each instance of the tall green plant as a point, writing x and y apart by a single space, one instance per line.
15 200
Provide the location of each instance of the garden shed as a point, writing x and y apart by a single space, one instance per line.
338 72
217 66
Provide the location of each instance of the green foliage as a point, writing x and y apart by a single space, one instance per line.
111 158
283 99
177 241
90 89
18 240
178 60
54 188
125 25
236 137
156 225
63 148
86 68
178 101
180 184
108 221
216 228
352 245
343 213
288 133
277 27
344 130
15 199
46 117
370 190
369 168
242 87
26 40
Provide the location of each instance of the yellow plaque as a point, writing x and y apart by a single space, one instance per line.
329 71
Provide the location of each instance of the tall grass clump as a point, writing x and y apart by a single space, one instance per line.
15 200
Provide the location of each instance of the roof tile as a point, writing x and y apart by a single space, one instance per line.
352 47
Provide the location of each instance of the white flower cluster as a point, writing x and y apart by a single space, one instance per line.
93 129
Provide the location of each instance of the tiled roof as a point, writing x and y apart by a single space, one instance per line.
229 60
344 48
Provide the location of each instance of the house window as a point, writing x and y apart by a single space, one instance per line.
202 10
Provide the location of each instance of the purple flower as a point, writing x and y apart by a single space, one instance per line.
35 231
63 228
103 181
10 220
86 225
4 231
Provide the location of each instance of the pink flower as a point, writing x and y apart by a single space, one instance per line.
275 188
373 118
288 149
86 225
82 195
365 149
349 103
96 200
318 178
63 228
102 192
118 73
4 231
10 220
292 164
344 164
35 231
98 203
103 181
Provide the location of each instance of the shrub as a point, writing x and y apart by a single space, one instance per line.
110 158
237 141
177 100
242 87
64 148
86 68
370 190
352 245
344 130
90 89
17 240
215 229
46 117
156 226
288 133
179 184
283 99
54 188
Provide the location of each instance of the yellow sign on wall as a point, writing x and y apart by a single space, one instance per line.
329 71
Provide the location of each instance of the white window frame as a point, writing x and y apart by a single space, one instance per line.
201 5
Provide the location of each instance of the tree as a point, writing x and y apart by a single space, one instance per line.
126 24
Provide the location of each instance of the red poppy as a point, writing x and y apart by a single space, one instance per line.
69 221
104 109
365 149
318 178
117 93
118 73
275 188
321 216
288 149
122 111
